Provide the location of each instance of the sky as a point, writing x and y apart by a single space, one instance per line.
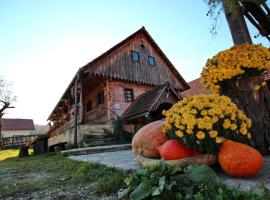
44 43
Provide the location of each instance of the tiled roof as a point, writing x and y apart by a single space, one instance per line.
196 88
17 124
147 102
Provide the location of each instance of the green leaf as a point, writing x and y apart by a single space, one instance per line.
154 178
170 185
162 165
132 181
141 171
128 180
162 182
178 196
142 191
155 191
201 173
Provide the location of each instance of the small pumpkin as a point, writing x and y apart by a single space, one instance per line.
148 138
239 160
174 149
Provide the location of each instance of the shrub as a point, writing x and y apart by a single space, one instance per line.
239 60
203 122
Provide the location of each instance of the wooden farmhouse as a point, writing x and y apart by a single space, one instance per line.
133 81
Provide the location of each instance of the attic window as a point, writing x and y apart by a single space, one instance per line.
129 96
151 61
135 56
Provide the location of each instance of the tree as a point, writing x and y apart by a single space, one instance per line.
256 104
6 99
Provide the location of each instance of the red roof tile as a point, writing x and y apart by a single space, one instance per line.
17 124
196 88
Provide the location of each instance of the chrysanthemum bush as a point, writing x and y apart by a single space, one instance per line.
238 61
203 122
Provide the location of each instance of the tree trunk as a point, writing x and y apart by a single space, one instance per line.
236 22
23 151
256 105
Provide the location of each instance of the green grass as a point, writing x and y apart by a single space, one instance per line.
53 172
8 154
4 154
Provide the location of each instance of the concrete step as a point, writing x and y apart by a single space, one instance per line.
96 140
96 149
95 144
97 136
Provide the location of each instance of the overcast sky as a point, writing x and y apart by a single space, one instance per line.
43 43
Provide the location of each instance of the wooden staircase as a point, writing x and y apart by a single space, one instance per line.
96 135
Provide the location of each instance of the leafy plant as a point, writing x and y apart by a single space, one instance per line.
162 182
196 182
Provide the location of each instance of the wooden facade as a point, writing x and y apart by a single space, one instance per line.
105 83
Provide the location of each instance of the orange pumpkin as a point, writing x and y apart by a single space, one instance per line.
148 138
173 150
239 160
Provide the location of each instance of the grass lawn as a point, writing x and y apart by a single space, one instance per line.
56 177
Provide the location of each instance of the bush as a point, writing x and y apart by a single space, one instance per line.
202 122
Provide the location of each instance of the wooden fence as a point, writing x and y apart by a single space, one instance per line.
16 141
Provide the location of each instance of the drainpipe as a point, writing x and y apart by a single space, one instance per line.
76 112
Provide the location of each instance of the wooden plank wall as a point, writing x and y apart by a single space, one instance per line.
98 115
119 65
117 88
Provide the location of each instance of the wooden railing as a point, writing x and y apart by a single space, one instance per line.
61 129
16 141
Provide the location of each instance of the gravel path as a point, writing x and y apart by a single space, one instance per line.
119 159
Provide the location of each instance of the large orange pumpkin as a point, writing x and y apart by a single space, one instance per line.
239 160
174 149
147 139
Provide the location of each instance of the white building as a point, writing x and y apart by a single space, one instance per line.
14 127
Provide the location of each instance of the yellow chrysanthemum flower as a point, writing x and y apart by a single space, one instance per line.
219 140
195 116
226 124
200 135
233 127
213 134
233 62
179 133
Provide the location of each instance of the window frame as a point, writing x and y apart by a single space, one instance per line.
153 59
89 106
133 53
100 98
128 95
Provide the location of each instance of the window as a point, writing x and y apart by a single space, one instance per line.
151 61
128 95
135 56
100 98
89 106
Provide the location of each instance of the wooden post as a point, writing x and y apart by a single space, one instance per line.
76 114
1 115
76 110
236 22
